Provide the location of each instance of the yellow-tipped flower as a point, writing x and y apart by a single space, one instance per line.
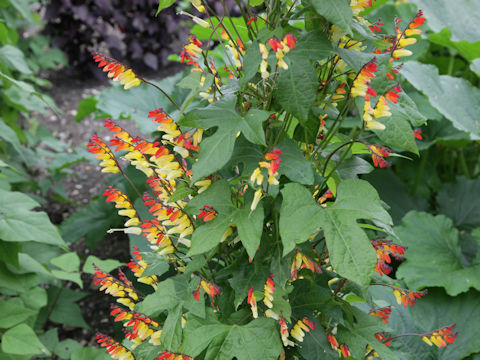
117 71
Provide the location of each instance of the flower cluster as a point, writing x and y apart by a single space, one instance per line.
300 327
121 288
140 327
301 261
382 313
342 349
402 36
115 349
280 48
138 267
385 249
209 287
167 355
271 162
379 153
407 297
103 152
268 290
252 301
117 71
440 337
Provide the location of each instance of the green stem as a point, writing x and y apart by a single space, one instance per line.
420 171
463 163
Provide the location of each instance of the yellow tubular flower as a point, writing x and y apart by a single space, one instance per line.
256 199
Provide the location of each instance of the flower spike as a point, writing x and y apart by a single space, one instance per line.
116 350
117 71
440 337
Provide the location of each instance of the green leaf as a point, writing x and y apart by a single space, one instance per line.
172 329
9 252
216 150
468 50
86 107
35 298
398 134
21 340
452 15
407 108
475 66
249 223
8 134
251 62
313 45
157 265
460 202
181 192
337 12
68 276
28 88
65 310
94 219
258 339
455 98
14 59
294 165
433 311
214 153
19 224
249 274
297 88
436 260
162 4
316 346
170 293
65 348
351 252
12 314
68 262
88 353
107 265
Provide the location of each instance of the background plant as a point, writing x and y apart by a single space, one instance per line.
221 206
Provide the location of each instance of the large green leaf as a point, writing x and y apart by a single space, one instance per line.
313 45
429 313
454 15
468 50
249 223
12 314
434 257
351 252
21 340
216 150
398 134
455 98
297 87
14 58
460 201
258 339
251 62
172 329
19 223
91 222
294 165
65 310
336 11
171 293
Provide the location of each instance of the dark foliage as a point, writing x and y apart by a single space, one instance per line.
127 30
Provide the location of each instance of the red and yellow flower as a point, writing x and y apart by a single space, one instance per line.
440 337
118 71
121 288
116 350
385 249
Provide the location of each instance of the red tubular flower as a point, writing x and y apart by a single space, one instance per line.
103 152
418 134
207 213
382 313
394 93
268 290
117 71
300 328
345 351
252 302
140 323
361 84
290 40
384 338
252 19
210 288
385 249
379 153
333 341
440 337
275 44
